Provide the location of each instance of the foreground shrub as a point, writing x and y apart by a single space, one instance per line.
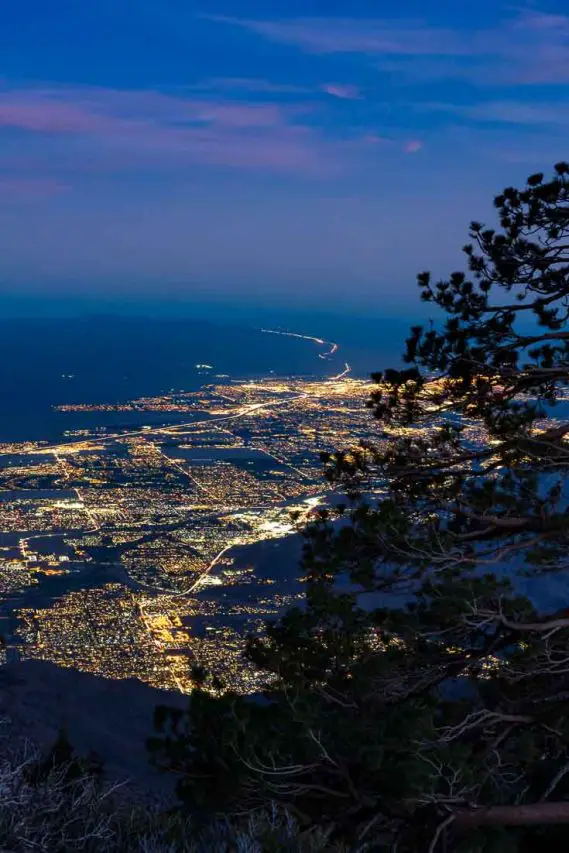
58 806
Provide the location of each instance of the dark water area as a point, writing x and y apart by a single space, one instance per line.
15 460
277 576
51 588
227 454
48 362
37 494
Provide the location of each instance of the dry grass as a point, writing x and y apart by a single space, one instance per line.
56 812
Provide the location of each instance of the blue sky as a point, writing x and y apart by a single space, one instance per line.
292 153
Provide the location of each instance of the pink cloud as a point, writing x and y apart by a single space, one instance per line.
150 123
126 130
266 87
101 110
356 35
29 189
527 47
251 84
375 139
413 146
287 149
506 112
545 64
345 91
257 115
534 20
50 117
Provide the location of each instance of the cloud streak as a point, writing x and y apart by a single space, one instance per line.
15 189
343 91
148 129
529 47
152 125
512 112
69 110
355 35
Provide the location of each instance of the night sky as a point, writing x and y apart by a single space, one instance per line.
301 154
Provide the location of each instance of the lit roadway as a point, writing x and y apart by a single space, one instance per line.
320 341
246 410
25 540
242 412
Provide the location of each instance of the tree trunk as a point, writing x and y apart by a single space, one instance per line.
525 815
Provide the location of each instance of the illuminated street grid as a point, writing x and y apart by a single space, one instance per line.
159 511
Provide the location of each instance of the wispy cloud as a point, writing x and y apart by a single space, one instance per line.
78 110
250 85
255 86
14 189
506 112
153 124
343 91
355 35
533 19
154 129
526 47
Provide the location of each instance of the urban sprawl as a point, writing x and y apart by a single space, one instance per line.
146 523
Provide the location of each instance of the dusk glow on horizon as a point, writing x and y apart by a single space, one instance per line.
305 153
